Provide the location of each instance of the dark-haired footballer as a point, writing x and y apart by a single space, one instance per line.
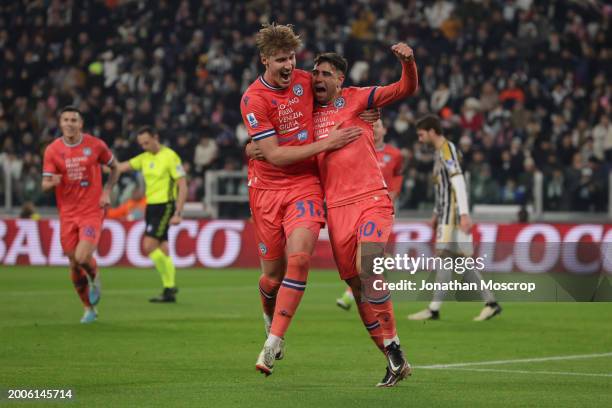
359 209
71 166
166 191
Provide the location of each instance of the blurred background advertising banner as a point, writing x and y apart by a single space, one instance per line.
529 248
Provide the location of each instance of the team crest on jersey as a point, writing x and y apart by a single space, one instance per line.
87 151
339 103
252 120
298 90
89 232
303 135
263 248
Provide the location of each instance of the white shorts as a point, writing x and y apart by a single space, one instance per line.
451 238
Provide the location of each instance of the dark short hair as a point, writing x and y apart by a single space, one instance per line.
429 122
70 108
147 129
336 60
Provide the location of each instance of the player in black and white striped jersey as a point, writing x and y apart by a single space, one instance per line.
451 218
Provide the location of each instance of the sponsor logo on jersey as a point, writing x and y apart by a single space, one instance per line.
339 103
252 120
298 90
386 158
151 165
303 135
84 183
87 151
263 248
180 170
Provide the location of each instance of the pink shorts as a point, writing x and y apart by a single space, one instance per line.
73 230
277 213
368 220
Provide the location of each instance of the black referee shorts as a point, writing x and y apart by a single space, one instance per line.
157 217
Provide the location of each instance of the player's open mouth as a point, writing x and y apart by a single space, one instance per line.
319 90
285 76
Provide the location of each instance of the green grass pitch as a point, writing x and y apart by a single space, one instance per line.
202 350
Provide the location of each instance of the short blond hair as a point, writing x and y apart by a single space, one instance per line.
273 38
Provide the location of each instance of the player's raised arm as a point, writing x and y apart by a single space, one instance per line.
406 86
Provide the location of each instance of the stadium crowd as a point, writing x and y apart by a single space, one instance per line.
522 86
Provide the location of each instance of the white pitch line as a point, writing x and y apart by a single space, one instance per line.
522 360
493 370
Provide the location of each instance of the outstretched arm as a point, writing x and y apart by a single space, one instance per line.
406 86
124 167
286 155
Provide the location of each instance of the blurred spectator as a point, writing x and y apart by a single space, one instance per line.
28 211
509 192
602 136
506 76
554 191
483 189
131 209
205 154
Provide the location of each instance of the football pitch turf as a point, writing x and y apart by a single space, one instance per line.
202 350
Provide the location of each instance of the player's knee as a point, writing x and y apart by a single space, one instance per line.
303 238
81 258
299 260
73 263
149 246
366 269
274 269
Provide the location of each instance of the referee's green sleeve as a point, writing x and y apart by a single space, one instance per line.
176 169
136 162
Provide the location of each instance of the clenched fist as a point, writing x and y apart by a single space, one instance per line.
403 52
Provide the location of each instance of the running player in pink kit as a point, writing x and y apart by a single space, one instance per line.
72 166
360 212
285 193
